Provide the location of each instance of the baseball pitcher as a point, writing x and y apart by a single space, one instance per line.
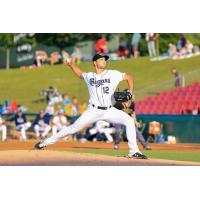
101 85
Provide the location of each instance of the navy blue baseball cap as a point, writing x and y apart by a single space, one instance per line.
99 55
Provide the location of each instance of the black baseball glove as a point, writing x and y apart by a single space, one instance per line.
123 96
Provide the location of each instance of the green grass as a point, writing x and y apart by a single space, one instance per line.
24 85
169 155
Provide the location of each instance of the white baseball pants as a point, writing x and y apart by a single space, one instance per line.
22 128
3 129
91 115
42 130
55 129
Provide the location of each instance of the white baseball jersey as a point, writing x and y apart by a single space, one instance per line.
102 86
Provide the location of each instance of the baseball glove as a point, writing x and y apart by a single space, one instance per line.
123 96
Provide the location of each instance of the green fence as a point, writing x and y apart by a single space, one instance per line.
186 128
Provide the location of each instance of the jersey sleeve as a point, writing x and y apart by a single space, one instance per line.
119 75
84 75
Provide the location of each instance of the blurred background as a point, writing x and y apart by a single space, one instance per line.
165 67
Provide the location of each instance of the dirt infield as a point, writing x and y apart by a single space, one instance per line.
17 145
56 158
17 153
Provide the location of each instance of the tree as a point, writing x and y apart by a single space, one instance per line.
6 42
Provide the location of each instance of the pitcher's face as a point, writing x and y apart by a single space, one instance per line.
100 63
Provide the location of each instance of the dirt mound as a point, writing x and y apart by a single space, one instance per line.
59 158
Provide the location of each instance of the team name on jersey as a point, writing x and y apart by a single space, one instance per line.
97 83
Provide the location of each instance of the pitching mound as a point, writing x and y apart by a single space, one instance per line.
57 158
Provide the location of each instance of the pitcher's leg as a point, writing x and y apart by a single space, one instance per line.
116 116
87 118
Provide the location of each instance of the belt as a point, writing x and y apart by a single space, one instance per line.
100 107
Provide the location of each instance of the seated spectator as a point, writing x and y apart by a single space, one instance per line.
59 121
101 45
172 51
181 43
40 58
101 127
66 104
3 129
21 124
74 108
65 56
41 125
55 57
189 47
76 55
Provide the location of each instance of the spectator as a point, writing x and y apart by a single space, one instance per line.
21 124
76 55
40 58
177 77
52 95
59 121
101 127
172 51
55 57
181 43
74 107
189 47
3 129
101 45
156 39
66 104
41 125
65 56
123 51
82 107
135 44
151 44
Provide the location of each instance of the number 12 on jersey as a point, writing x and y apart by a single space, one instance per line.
106 90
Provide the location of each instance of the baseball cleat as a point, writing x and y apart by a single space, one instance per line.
37 146
137 155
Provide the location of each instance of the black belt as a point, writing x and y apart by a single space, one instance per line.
100 107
